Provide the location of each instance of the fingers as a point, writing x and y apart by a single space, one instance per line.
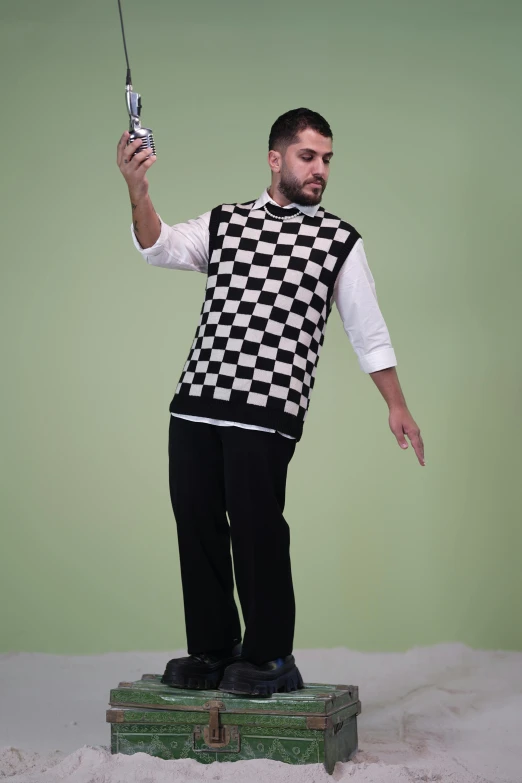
145 156
132 163
134 158
413 433
418 445
121 146
126 151
127 154
401 440
148 162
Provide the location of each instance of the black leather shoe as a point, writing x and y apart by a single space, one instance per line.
200 672
248 679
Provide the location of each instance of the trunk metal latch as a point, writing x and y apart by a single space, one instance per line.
216 736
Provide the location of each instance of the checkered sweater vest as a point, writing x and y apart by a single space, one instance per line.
268 297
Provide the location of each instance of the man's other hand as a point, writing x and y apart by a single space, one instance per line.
403 425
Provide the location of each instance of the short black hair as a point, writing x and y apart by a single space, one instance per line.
288 126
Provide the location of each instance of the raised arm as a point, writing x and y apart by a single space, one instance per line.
180 246
134 166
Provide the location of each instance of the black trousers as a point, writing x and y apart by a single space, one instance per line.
215 471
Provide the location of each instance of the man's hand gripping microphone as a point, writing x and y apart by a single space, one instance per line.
135 129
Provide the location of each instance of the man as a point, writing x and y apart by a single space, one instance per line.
274 268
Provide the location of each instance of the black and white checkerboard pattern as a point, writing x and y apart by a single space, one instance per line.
268 297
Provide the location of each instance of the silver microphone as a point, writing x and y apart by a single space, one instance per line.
136 131
133 100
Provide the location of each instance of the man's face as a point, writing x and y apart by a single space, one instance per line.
305 168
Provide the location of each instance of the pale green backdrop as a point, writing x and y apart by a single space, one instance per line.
424 99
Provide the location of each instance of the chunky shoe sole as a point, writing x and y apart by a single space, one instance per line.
244 680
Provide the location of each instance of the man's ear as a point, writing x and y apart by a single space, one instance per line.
274 161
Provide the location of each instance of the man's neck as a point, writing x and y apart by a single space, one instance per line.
278 198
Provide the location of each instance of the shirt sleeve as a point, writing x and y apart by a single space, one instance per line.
356 299
181 246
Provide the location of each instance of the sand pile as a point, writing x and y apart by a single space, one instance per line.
443 713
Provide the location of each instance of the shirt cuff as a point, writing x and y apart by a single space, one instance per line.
380 359
157 247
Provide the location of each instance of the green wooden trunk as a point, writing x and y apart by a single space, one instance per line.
313 725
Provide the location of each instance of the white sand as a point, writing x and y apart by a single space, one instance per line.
443 713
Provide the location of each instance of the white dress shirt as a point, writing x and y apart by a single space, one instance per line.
185 246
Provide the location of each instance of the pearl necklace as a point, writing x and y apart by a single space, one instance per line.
276 217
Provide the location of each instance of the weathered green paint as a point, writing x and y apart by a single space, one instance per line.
177 742
266 728
313 699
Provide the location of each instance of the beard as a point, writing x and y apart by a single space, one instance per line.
292 189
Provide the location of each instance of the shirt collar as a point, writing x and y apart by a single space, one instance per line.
264 198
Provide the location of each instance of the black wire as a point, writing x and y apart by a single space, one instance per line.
128 80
